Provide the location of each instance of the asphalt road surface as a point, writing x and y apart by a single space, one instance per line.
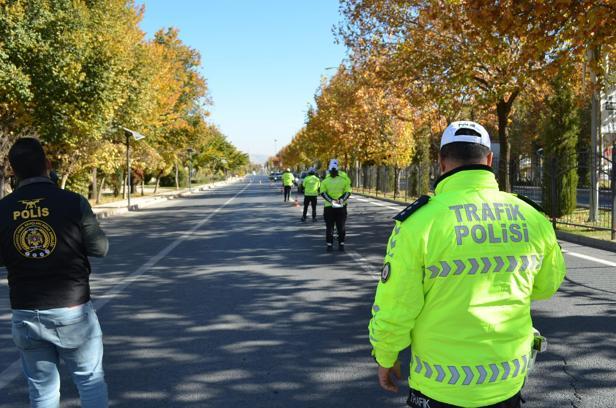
224 299
582 196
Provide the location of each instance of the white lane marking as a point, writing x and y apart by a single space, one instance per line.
590 258
13 370
365 264
380 204
574 254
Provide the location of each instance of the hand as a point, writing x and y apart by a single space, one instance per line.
385 379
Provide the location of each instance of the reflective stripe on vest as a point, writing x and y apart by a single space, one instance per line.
494 264
470 375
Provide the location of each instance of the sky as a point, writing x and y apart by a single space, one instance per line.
263 61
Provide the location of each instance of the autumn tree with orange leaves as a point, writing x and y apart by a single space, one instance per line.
477 54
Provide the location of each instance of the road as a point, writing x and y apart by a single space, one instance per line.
224 299
582 197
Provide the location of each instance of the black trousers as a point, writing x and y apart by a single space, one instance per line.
312 201
287 192
335 216
418 400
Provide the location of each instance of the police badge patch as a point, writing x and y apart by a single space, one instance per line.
35 239
385 272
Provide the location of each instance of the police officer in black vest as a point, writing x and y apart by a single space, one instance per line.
46 236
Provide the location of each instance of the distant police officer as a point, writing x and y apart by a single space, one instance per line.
335 190
460 272
46 236
311 186
287 182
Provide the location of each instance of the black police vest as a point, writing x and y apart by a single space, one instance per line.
42 247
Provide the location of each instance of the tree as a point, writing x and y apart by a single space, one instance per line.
560 135
479 52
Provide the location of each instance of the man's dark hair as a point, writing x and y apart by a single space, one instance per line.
27 158
465 152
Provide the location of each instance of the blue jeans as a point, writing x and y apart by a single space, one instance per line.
70 334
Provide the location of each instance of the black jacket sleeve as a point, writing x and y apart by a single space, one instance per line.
95 240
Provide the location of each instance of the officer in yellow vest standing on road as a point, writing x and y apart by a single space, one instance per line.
335 190
287 182
460 272
311 186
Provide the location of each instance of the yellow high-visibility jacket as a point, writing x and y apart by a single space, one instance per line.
457 285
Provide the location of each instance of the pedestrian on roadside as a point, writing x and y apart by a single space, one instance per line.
460 272
287 183
336 191
311 186
46 236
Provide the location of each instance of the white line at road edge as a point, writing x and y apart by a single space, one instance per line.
379 204
590 258
574 254
364 264
13 371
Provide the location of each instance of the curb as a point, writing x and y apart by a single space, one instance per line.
587 241
146 202
564 236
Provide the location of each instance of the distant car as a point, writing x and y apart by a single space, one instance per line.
299 181
275 176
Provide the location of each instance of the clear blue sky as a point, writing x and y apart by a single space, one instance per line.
263 60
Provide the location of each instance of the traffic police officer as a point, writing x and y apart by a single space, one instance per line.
46 236
341 173
336 191
311 186
460 272
287 182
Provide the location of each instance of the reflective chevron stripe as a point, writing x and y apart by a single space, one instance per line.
470 375
496 264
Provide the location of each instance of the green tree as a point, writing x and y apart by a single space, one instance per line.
560 130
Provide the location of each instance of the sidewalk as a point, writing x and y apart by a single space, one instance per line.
136 202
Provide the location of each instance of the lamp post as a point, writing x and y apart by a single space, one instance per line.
137 136
190 152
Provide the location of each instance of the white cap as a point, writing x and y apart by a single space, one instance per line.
466 131
312 170
333 164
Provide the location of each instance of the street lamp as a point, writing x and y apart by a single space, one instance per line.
190 152
137 136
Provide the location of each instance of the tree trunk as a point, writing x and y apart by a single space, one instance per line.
124 183
157 182
142 186
177 177
503 108
92 193
64 180
100 191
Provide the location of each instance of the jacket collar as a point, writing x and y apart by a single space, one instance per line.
33 180
472 176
